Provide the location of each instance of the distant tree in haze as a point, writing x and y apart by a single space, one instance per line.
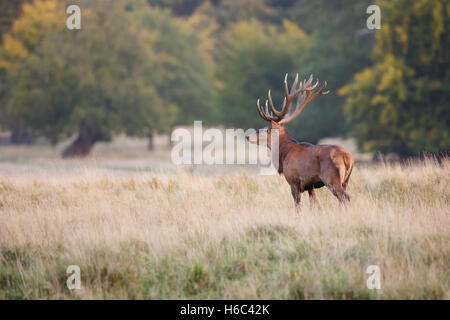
178 7
181 76
21 37
131 68
335 49
224 12
229 12
9 10
144 66
252 59
340 47
401 103
90 82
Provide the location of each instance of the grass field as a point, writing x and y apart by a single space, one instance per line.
141 233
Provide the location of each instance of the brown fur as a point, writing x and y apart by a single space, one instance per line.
304 165
307 167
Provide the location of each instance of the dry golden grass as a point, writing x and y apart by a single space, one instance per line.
140 234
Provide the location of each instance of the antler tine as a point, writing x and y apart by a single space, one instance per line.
265 115
270 114
300 100
323 87
267 109
289 96
308 83
319 92
305 94
275 111
286 89
312 88
259 110
309 93
294 85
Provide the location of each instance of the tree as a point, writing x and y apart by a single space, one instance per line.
182 76
9 10
25 36
400 104
92 83
130 68
340 47
229 12
178 7
336 49
253 58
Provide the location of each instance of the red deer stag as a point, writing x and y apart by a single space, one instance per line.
304 165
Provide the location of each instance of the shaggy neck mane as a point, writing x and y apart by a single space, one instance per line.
286 143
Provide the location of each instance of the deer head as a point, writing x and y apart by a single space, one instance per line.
305 93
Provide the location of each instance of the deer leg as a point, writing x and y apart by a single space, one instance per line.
296 195
312 198
339 193
333 180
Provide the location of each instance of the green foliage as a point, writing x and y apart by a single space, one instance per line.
400 104
253 58
181 76
228 12
9 10
148 65
178 7
339 48
332 50
131 68
27 32
86 82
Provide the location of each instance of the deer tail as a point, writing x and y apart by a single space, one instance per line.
348 161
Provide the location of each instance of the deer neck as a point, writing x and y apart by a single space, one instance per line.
286 142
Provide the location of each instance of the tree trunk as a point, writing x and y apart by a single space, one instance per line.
151 145
81 147
169 139
21 136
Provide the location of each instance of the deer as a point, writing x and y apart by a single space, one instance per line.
305 166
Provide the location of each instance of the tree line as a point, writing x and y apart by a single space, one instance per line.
142 67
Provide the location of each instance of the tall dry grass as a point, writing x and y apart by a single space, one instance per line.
175 235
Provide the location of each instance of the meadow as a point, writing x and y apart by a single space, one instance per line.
142 231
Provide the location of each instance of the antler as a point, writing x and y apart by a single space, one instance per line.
305 93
